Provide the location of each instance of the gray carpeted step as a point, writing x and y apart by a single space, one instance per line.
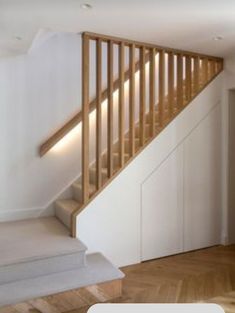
98 270
36 247
64 210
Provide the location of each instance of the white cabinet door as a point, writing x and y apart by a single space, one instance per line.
202 179
162 215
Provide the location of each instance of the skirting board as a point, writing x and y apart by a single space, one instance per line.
16 215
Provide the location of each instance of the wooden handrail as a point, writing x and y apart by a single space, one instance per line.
139 44
74 121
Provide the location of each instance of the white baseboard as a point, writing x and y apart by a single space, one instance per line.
15 215
224 240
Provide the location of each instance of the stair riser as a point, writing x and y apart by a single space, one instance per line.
77 193
93 176
63 215
42 267
127 145
148 117
147 131
115 160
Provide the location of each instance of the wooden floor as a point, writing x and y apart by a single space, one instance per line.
202 276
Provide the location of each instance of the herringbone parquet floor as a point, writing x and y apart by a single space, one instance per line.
206 275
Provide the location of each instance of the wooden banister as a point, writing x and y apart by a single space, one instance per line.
74 121
181 76
138 44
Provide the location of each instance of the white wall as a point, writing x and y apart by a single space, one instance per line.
38 93
112 222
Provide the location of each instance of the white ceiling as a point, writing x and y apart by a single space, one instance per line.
183 24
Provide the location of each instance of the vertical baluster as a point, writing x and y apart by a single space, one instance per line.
110 110
85 118
161 107
213 68
152 80
171 83
196 74
121 104
188 78
216 66
98 112
219 66
204 70
132 99
209 69
179 81
142 97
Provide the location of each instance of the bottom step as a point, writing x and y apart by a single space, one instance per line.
98 270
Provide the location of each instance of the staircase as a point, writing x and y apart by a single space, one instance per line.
167 81
150 87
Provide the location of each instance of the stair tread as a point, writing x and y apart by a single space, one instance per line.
125 154
92 187
34 239
104 170
98 270
69 205
127 139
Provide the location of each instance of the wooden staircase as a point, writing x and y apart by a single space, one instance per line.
167 80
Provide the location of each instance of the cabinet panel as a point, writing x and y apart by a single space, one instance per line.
202 184
162 215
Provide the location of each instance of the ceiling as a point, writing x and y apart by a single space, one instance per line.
183 24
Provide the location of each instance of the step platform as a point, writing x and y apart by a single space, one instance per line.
37 247
98 270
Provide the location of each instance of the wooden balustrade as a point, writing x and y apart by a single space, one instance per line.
181 76
167 79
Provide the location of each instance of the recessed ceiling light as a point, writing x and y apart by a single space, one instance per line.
217 38
86 6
